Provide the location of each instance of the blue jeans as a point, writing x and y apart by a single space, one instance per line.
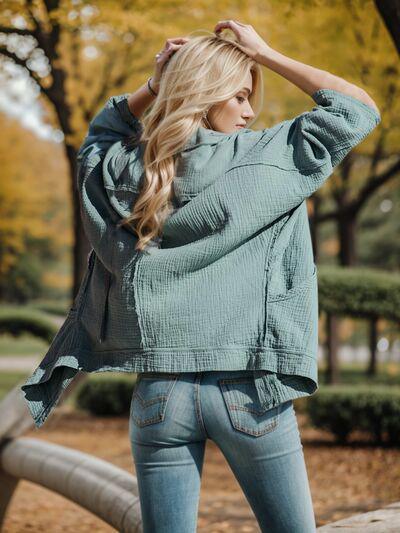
171 417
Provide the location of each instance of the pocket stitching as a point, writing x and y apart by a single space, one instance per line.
304 285
162 399
248 431
232 408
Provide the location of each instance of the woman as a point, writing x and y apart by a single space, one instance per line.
202 278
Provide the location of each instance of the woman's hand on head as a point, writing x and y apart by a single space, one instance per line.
162 58
248 39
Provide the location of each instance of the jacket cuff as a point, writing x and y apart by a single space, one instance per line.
329 96
120 102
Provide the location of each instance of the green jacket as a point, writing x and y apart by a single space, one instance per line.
232 284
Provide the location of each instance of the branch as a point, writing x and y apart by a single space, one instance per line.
19 31
104 86
51 5
22 63
39 33
373 183
390 14
384 129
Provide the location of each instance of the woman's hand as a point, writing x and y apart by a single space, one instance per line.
171 46
248 39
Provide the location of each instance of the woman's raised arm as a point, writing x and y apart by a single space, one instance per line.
309 79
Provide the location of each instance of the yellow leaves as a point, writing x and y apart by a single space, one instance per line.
34 193
57 280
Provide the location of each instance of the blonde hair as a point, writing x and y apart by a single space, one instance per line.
205 71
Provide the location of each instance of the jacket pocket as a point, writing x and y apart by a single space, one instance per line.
299 287
292 317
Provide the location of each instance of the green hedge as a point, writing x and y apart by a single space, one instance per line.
342 409
57 308
110 396
19 320
339 409
359 292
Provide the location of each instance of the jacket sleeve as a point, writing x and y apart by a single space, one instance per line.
113 123
295 157
289 162
305 150
328 132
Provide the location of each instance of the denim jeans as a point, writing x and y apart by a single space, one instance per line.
171 417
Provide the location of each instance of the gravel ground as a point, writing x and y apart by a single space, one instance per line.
345 480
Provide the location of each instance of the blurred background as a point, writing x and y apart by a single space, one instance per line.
59 62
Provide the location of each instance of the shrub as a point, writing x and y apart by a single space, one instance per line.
17 320
105 396
57 308
342 409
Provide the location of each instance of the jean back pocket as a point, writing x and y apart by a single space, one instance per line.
150 397
244 408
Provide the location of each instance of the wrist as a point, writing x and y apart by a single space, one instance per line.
265 55
154 84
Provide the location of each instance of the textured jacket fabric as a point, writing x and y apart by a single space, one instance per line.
232 283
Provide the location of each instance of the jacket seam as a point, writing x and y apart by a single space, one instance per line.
339 148
253 148
276 233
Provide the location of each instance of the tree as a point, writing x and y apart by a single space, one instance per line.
76 54
378 162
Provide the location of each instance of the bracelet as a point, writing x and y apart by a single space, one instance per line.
149 87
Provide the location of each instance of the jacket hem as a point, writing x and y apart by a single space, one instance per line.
44 387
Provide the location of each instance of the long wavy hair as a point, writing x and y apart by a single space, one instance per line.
204 72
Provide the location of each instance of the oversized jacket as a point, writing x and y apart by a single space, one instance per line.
232 283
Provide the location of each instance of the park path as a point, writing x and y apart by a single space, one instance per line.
20 363
26 363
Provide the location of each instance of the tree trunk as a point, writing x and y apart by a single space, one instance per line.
332 372
81 245
390 13
347 239
316 203
373 339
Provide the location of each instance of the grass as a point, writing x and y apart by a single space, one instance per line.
8 380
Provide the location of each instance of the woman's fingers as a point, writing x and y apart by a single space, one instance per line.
248 39
232 24
171 46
